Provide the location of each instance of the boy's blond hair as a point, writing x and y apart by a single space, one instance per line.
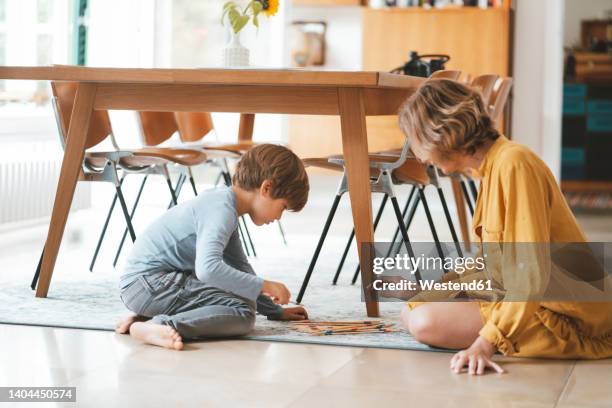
279 165
447 117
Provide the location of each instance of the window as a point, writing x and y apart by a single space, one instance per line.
2 58
44 11
197 34
32 33
44 52
2 39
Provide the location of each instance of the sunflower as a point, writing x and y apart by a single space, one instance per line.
270 7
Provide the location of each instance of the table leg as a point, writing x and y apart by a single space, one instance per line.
69 174
461 213
355 149
245 130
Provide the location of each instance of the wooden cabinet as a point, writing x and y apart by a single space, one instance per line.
477 40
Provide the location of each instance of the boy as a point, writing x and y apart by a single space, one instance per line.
187 271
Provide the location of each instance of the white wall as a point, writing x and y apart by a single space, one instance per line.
538 78
343 38
577 10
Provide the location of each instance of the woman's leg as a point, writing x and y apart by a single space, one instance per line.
452 325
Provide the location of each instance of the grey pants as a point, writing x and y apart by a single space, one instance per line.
191 307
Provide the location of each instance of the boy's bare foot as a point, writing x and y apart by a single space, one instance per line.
157 334
123 326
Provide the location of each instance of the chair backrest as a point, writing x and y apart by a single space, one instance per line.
157 127
446 74
193 126
484 84
64 94
499 98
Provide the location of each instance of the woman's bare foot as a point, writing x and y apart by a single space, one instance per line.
157 334
123 326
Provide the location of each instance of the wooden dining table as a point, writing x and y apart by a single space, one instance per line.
350 95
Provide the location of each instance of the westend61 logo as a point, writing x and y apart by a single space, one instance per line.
425 263
404 262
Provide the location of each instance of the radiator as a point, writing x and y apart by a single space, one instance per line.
28 182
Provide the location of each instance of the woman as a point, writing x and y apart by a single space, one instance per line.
519 202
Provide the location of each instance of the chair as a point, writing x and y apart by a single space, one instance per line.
104 166
386 169
499 99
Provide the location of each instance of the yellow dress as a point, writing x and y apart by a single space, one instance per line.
519 202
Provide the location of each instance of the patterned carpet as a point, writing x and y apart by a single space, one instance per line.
91 301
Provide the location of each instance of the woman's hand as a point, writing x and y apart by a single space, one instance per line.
477 357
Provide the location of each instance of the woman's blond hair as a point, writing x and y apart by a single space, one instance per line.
447 117
279 165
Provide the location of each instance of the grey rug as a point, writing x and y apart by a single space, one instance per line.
91 301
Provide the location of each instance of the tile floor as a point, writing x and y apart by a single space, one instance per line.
113 370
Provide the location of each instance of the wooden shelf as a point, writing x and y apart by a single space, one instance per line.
478 41
579 186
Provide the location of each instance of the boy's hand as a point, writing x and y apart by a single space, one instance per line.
276 291
293 313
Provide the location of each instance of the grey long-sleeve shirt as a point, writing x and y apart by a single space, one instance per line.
200 235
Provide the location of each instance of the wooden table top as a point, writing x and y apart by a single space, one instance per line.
212 76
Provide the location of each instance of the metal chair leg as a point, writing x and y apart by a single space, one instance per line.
219 176
104 228
136 201
408 222
37 273
177 189
432 226
376 221
467 197
404 232
126 214
449 221
172 192
474 190
226 178
344 254
282 232
248 235
192 181
313 261
243 240
397 231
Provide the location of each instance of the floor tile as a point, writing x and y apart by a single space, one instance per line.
367 398
49 356
590 384
266 362
127 388
535 380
